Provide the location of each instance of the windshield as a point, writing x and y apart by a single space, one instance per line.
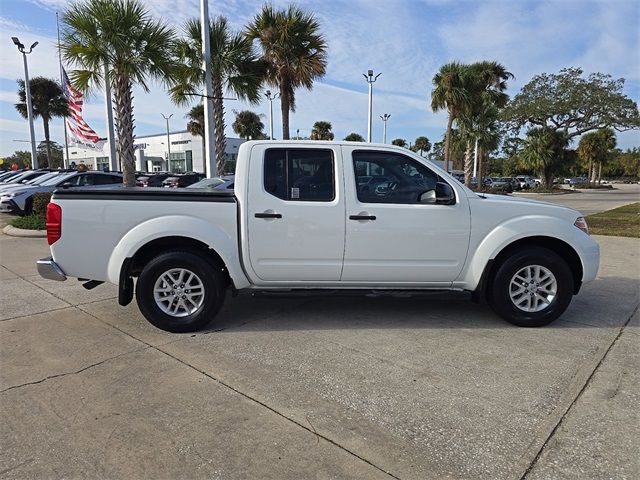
19 177
58 178
41 178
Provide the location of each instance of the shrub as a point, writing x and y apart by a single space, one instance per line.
589 186
40 202
29 222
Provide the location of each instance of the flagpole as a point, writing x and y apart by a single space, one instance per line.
66 141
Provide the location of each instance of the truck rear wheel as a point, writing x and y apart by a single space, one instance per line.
180 291
532 287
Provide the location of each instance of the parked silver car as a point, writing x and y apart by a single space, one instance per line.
20 200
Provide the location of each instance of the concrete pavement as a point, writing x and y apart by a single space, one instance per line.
592 201
317 387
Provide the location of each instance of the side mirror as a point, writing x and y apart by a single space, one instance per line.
428 197
445 195
67 185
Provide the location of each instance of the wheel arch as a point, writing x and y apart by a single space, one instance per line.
152 237
562 248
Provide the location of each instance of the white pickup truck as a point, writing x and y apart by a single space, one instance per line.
320 215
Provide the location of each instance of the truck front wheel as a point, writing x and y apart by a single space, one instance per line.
180 291
532 287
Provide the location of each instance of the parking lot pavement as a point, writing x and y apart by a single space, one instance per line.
588 202
331 386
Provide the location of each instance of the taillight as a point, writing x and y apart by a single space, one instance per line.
54 223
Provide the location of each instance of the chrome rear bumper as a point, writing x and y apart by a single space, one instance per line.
50 270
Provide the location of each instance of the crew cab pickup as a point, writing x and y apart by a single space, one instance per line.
319 215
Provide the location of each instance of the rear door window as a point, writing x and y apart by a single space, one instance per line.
300 174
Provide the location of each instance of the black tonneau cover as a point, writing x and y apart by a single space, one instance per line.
146 194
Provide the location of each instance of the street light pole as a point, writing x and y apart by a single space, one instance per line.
168 141
384 118
27 91
271 99
370 78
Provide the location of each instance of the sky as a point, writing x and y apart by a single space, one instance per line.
404 40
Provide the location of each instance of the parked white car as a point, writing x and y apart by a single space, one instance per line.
526 182
300 217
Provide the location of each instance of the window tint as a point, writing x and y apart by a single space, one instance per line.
299 174
87 179
383 177
106 179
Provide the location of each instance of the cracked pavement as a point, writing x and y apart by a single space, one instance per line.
337 386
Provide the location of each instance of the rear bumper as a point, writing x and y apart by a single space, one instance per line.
50 270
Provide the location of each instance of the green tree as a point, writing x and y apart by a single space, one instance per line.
630 162
354 137
544 151
422 144
321 131
135 48
235 69
22 158
248 125
49 155
485 83
594 149
294 51
195 125
399 142
48 101
576 105
450 93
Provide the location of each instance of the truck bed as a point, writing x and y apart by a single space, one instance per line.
100 227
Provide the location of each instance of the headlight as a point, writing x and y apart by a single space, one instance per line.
581 223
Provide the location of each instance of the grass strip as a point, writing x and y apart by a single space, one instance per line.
619 222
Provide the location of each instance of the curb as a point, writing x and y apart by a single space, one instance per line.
20 232
545 193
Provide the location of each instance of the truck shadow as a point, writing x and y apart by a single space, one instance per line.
595 307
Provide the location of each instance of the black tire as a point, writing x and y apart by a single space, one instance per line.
210 276
499 292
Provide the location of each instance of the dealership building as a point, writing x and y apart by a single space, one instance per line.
185 153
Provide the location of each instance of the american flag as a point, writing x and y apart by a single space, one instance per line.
75 123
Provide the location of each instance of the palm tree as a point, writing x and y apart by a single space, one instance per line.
450 92
544 151
594 148
485 83
248 125
195 126
119 35
354 137
400 142
322 131
422 144
47 100
294 51
235 70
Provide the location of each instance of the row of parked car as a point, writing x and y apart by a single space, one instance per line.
503 184
18 187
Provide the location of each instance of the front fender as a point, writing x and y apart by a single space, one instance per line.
484 249
220 240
